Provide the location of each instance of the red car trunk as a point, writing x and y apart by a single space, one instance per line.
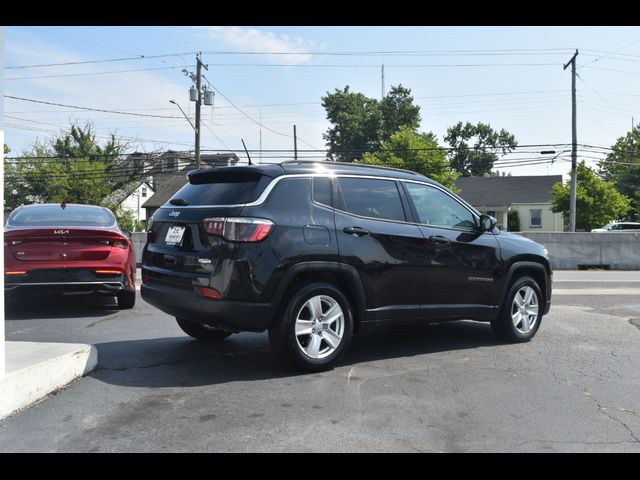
62 244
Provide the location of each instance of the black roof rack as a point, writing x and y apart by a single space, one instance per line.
347 164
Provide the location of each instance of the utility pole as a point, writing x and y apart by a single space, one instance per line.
574 145
198 104
295 144
260 155
382 95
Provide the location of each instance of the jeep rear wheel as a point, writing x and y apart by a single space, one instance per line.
314 329
200 332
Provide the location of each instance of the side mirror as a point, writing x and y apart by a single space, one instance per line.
487 223
126 232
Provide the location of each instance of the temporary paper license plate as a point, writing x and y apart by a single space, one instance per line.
174 236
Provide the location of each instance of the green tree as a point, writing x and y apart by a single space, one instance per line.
360 124
6 149
355 124
476 147
513 221
71 167
622 167
597 201
415 151
127 220
398 110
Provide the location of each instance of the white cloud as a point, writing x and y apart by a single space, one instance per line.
254 40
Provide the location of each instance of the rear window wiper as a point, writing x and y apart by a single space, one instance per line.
178 201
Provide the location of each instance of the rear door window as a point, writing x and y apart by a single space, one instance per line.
322 190
371 198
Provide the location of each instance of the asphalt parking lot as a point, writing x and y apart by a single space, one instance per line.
438 388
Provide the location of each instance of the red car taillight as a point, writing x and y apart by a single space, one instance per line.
239 229
108 272
114 243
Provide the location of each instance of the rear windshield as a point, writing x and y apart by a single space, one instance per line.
224 190
55 215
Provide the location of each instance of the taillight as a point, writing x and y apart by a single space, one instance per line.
239 229
15 272
114 243
210 293
214 226
108 272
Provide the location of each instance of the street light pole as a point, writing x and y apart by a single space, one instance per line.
185 115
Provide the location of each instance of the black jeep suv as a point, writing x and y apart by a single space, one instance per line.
317 251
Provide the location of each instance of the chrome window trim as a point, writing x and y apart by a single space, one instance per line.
269 188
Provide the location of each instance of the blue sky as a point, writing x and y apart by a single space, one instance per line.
509 77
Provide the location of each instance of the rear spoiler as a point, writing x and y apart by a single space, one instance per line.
233 174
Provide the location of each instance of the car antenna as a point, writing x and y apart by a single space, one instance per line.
246 151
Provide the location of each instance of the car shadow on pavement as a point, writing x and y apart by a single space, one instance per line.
184 362
56 306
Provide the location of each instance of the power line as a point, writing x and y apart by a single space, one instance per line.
377 65
109 72
251 118
89 108
83 41
487 52
85 62
612 70
497 52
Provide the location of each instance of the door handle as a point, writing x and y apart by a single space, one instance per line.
356 231
440 240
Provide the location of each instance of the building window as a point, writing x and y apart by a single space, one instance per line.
170 164
535 218
144 192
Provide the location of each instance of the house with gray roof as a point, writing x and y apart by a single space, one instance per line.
530 196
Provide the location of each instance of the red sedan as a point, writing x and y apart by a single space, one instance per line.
67 249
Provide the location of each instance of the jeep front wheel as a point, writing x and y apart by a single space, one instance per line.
522 312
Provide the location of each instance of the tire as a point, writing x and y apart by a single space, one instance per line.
199 332
314 328
126 299
521 314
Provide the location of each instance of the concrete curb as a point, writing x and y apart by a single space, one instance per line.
36 369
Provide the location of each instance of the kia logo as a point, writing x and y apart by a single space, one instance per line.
174 214
61 232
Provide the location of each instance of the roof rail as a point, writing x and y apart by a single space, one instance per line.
350 164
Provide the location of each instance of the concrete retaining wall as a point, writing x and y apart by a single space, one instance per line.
615 250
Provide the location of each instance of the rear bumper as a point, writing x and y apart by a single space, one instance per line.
28 289
70 280
230 315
